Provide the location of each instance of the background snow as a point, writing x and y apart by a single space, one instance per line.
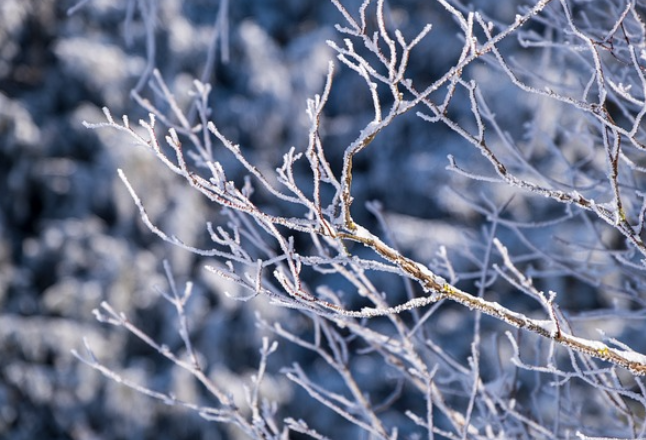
70 236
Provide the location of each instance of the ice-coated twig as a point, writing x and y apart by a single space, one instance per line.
581 151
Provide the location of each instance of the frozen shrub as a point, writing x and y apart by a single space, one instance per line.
514 324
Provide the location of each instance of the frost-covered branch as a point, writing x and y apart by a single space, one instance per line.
288 229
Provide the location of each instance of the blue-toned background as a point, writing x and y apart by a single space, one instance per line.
71 237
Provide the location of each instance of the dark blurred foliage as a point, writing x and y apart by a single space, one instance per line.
70 236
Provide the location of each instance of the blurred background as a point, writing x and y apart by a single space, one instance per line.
71 237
